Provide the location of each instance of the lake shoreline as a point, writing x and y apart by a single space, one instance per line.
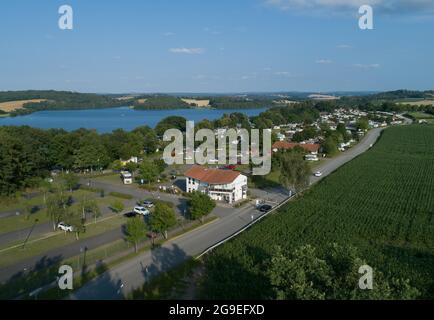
105 120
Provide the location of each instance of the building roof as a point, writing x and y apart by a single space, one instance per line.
311 147
212 176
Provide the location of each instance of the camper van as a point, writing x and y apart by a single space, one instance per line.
126 177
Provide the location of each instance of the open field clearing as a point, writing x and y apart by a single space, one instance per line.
23 221
382 203
421 115
15 105
199 103
419 102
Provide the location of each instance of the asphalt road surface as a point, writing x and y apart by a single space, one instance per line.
122 279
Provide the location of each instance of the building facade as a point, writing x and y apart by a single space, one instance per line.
220 185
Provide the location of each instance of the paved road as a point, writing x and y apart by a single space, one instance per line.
330 165
73 249
121 280
60 253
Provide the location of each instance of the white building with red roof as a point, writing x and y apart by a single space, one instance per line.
220 185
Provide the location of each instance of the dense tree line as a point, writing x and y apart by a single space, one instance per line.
27 154
239 103
160 103
305 112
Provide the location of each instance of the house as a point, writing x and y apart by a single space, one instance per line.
131 160
312 148
218 184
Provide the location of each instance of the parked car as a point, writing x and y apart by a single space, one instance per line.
318 174
65 227
265 208
130 214
141 210
148 204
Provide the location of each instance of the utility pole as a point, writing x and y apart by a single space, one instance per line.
30 232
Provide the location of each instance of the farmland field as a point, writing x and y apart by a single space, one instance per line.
418 102
382 203
15 105
200 103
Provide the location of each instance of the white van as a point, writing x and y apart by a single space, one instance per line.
127 177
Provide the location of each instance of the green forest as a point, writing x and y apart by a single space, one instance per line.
160 103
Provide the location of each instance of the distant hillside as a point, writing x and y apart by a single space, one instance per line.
390 96
240 103
16 103
56 100
160 103
220 102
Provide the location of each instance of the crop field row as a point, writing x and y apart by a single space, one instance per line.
382 203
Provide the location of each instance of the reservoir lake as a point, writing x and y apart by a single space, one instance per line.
107 120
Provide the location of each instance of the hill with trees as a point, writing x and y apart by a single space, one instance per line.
58 100
160 103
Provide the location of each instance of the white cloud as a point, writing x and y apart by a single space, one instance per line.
344 46
282 74
323 61
168 34
367 66
187 50
389 6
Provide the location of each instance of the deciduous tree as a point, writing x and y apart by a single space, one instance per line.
135 231
162 219
200 205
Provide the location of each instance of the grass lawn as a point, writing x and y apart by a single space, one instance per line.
19 203
12 256
20 222
421 115
112 179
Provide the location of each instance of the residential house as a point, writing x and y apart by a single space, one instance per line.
220 185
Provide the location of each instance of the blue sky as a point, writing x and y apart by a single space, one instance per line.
216 46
